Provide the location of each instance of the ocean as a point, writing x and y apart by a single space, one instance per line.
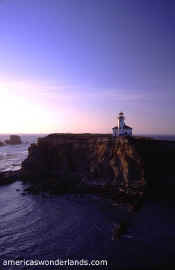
11 156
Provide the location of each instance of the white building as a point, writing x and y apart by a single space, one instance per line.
122 129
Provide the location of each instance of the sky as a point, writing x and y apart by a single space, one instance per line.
73 65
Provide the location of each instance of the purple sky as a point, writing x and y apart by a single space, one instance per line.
73 65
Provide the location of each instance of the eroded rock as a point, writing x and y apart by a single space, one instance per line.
61 163
14 139
1 143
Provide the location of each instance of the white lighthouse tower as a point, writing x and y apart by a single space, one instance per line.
122 129
121 122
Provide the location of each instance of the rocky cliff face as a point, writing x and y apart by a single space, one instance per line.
120 168
158 160
62 162
99 162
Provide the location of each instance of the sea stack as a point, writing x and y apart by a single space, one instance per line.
14 139
1 143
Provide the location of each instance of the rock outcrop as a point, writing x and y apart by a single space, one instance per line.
9 177
1 143
124 168
89 163
14 139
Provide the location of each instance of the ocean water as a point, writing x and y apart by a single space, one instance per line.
76 227
54 227
11 156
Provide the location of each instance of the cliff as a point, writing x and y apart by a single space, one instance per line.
85 163
101 163
122 168
99 158
159 173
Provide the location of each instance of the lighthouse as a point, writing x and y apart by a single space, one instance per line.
121 121
122 129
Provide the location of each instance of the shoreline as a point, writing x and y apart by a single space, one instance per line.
99 180
141 158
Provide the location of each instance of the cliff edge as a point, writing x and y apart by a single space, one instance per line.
63 162
85 163
121 168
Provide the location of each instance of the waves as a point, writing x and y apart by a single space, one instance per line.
11 156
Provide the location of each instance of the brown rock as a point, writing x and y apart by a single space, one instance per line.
14 139
1 143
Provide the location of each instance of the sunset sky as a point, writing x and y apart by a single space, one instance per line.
73 65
